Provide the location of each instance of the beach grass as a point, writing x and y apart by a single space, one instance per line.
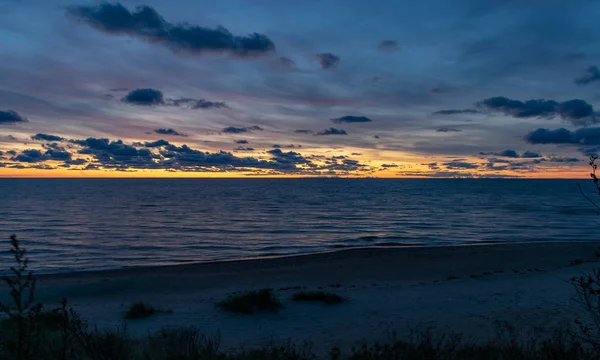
141 310
251 302
318 296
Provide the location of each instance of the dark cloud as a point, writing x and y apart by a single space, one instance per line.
11 117
584 136
34 156
157 143
387 166
351 119
531 154
241 130
457 164
511 154
291 146
388 46
302 131
46 137
327 60
153 97
455 112
144 97
563 160
516 108
147 24
105 154
375 136
592 74
508 153
241 141
332 131
168 131
577 111
447 129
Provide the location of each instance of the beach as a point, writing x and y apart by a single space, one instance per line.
459 289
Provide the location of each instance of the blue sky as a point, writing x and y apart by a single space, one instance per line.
397 76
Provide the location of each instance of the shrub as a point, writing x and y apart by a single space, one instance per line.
252 302
320 296
140 310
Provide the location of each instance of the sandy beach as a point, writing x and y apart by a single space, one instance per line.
463 289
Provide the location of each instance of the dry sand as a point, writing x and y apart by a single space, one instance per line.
456 288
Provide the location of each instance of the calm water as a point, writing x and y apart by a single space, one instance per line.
78 224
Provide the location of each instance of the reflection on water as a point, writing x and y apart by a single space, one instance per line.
75 224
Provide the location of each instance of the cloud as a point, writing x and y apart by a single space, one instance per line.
351 119
241 141
168 131
285 62
447 129
512 154
144 97
196 104
508 153
520 109
147 24
157 143
584 136
332 131
455 112
388 46
300 131
327 60
563 160
531 154
592 74
240 130
11 117
34 156
46 137
457 164
577 111
153 97
241 148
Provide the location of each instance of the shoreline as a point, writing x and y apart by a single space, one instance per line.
340 251
459 288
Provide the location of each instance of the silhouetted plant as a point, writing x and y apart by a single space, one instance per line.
587 286
251 302
140 310
23 311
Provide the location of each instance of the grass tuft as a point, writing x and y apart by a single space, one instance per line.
252 302
320 296
141 310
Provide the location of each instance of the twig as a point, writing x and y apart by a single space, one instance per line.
587 197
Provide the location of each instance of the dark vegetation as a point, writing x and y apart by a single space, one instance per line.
252 302
141 310
318 296
28 331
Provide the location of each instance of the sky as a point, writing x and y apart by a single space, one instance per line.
230 88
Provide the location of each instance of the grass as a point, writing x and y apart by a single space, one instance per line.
141 310
318 296
252 302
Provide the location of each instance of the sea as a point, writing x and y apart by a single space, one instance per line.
71 225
